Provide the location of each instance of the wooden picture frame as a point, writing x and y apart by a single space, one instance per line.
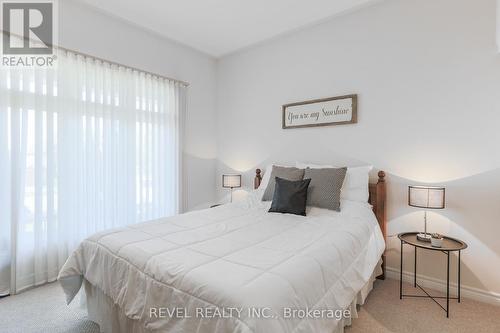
342 110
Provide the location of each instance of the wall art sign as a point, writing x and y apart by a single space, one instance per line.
321 112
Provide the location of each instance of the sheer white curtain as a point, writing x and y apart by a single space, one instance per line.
84 147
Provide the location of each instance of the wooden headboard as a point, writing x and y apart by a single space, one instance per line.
377 199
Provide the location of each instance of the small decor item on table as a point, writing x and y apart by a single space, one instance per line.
427 197
436 240
231 181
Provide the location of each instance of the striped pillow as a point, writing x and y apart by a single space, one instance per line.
324 189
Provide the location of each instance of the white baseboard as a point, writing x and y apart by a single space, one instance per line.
440 285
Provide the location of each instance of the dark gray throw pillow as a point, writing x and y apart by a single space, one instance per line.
324 190
288 173
290 196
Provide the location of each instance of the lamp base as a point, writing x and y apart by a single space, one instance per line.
424 237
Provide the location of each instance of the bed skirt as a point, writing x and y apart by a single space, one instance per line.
102 310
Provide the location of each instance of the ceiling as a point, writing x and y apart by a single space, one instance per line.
219 27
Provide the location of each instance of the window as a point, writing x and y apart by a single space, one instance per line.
84 147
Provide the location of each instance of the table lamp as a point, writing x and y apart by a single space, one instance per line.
231 181
427 197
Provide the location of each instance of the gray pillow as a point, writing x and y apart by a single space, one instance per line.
325 186
288 173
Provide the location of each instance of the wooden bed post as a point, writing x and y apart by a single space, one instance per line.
379 210
258 179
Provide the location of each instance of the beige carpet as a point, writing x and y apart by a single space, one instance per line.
384 312
43 309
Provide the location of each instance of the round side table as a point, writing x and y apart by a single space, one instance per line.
449 245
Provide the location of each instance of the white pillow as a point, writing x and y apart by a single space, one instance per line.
265 178
356 181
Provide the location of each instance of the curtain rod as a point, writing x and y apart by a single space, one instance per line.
86 55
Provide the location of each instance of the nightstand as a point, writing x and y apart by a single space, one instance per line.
449 245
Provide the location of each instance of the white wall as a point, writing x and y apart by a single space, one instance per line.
87 30
498 25
427 74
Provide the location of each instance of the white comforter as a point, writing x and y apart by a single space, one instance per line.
236 258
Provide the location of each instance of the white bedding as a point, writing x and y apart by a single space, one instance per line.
234 258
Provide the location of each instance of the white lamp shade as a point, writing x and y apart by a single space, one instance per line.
231 181
429 197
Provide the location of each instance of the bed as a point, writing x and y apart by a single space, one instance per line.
233 268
